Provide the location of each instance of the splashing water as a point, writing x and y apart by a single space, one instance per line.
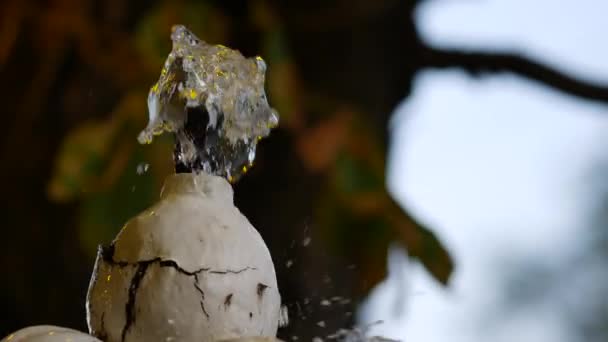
359 334
213 99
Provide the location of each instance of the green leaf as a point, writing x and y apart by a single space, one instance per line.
353 176
82 158
104 213
421 243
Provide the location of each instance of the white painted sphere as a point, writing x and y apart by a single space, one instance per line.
190 268
48 333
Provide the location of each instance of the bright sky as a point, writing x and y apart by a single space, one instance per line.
497 168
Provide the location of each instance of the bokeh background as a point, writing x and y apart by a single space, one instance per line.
439 165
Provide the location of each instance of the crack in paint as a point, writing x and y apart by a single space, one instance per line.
171 263
232 271
130 306
108 256
202 295
261 289
228 301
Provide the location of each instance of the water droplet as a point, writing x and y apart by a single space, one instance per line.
306 241
142 168
283 316
273 120
251 155
345 301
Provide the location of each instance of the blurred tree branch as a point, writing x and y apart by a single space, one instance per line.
478 63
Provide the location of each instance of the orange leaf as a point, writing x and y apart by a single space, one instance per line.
318 147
